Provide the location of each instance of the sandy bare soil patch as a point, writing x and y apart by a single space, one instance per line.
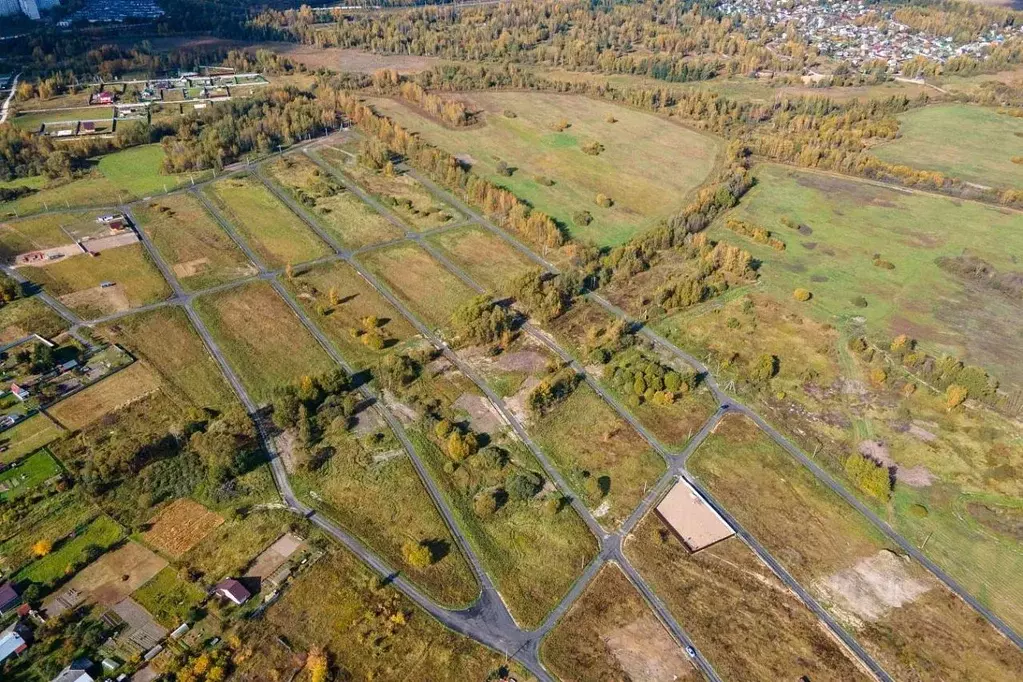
917 477
274 556
518 404
190 268
482 414
873 587
117 574
405 414
367 421
180 526
111 299
645 651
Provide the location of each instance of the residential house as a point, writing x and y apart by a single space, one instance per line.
76 672
9 598
232 590
11 644
20 393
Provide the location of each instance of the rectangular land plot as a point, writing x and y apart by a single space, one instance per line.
607 463
431 291
180 526
914 627
130 276
167 343
610 633
27 436
42 232
262 338
334 601
339 211
103 532
168 598
932 242
691 518
747 623
91 404
138 171
29 474
405 196
197 249
358 305
376 493
117 574
648 165
974 143
488 259
532 534
26 316
276 234
92 189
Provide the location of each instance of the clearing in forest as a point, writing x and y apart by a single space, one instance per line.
647 165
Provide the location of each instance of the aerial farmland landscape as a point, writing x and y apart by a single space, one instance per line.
511 340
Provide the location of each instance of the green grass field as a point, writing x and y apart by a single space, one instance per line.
378 634
738 613
522 540
27 436
338 211
964 141
402 194
262 338
611 634
139 171
489 260
77 281
165 340
92 189
345 323
26 316
199 252
52 517
849 221
817 536
28 475
103 532
42 232
377 495
607 463
168 598
33 120
274 232
430 290
648 167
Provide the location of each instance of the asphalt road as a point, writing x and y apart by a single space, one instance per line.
487 620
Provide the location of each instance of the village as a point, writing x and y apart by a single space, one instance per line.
859 32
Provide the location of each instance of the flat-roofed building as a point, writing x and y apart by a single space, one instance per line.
692 518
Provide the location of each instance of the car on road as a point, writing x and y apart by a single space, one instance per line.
691 651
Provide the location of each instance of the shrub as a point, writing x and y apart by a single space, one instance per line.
524 485
859 301
443 428
918 511
42 548
562 125
582 218
610 118
508 113
802 294
543 180
765 369
869 476
593 148
462 446
878 376
955 395
603 200
485 504
417 554
504 169
553 504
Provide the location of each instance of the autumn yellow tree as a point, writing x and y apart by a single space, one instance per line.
42 548
955 395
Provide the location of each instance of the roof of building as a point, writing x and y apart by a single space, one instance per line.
75 672
233 589
8 595
692 518
9 644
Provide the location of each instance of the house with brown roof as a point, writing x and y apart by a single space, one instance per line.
9 598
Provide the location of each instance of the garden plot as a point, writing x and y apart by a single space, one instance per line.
180 526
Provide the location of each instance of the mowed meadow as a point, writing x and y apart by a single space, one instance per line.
648 166
907 255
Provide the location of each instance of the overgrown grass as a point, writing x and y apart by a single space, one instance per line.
609 634
376 494
648 167
26 316
486 258
427 287
346 323
815 534
271 229
168 598
107 395
165 340
229 549
607 463
28 436
749 625
524 539
338 211
337 604
262 338
199 252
